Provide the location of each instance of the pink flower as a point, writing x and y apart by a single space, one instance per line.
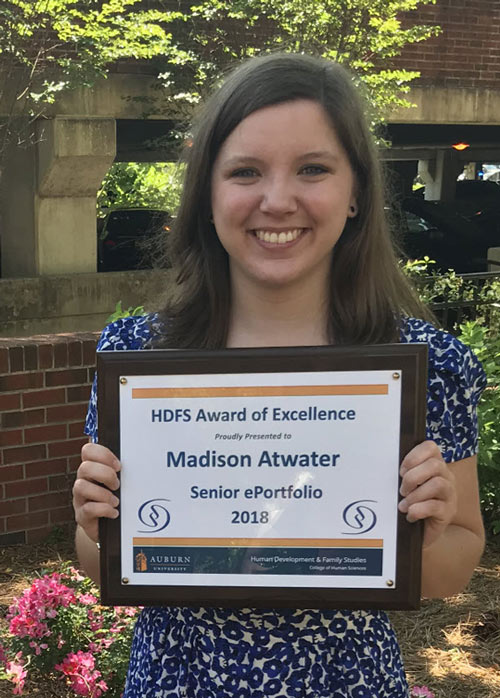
87 599
28 613
75 575
17 674
421 691
130 611
78 668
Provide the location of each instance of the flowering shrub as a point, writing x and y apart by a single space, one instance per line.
57 629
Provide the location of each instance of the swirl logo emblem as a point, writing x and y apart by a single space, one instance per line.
359 516
154 514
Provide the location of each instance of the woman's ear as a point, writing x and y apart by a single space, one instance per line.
353 210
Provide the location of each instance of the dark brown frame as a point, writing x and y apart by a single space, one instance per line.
410 359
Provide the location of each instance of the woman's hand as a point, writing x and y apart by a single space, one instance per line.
91 500
429 490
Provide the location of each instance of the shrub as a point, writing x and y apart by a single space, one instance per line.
58 630
485 342
482 335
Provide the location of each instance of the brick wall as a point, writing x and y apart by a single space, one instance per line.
44 389
467 52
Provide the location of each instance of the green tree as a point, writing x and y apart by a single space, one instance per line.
135 185
48 46
366 35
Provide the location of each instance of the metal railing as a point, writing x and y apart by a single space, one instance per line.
467 301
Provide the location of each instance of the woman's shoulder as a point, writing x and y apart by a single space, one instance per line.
447 354
129 333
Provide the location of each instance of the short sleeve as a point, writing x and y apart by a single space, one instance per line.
127 334
456 380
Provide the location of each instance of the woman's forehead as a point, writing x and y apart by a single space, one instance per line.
300 126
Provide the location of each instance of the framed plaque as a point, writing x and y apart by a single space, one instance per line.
262 477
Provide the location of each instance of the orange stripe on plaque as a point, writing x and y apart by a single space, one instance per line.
265 542
262 391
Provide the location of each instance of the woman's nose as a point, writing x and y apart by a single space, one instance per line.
278 197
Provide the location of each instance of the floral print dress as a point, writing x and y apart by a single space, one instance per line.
255 653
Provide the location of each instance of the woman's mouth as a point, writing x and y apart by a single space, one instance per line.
278 238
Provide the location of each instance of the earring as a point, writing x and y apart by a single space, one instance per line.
353 210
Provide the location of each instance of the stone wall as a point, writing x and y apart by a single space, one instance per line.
75 302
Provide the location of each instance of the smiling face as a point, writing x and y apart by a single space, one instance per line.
282 190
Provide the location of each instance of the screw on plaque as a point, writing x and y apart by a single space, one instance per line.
396 376
125 580
123 381
390 583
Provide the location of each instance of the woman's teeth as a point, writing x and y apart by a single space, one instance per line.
279 238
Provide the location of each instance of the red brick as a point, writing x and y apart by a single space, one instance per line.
49 501
59 482
70 447
10 402
89 348
46 355
8 473
53 432
31 357
16 359
9 420
18 538
63 515
13 506
79 393
75 429
75 353
26 487
21 381
11 437
23 454
65 413
4 360
55 466
71 376
38 398
74 463
2 526
60 354
38 534
27 521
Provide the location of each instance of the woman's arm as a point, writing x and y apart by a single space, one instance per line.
446 497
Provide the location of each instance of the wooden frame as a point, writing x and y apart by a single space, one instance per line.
408 359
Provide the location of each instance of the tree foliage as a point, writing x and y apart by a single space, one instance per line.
48 46
365 35
140 185
54 45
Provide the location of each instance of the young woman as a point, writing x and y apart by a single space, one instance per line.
281 240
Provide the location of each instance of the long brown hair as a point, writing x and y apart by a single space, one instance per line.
368 292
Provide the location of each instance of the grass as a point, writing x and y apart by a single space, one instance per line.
451 645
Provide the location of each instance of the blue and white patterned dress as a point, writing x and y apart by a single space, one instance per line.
254 653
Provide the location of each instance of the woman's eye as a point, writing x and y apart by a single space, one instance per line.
244 172
313 170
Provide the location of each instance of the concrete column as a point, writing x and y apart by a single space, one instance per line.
494 259
440 175
49 198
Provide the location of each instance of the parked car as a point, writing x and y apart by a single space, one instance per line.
479 201
436 230
128 239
